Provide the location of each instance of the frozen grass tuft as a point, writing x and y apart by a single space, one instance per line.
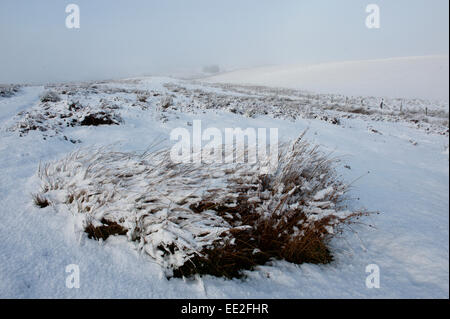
9 90
40 201
216 219
50 96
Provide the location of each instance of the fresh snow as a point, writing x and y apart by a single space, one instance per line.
412 77
406 182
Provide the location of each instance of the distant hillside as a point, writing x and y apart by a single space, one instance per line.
410 77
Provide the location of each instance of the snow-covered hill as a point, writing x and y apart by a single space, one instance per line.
413 77
395 158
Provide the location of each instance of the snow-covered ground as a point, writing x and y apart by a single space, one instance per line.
413 77
397 162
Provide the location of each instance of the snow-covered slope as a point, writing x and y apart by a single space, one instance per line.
397 164
413 77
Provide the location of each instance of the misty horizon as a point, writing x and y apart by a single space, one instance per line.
117 40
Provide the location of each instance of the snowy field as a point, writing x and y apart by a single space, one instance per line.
397 159
413 77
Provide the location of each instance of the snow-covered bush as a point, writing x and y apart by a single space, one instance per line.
204 218
8 90
50 96
142 97
166 102
52 118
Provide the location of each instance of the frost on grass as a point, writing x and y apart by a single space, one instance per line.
9 90
53 114
252 101
84 104
50 96
108 103
215 218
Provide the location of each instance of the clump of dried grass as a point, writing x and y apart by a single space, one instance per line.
216 219
50 96
290 238
40 201
290 215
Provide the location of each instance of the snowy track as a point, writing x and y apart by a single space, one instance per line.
9 107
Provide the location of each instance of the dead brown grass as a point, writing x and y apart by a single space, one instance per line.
287 237
40 201
108 228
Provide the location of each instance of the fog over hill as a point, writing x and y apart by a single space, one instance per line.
409 77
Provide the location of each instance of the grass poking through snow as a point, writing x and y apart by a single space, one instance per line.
40 201
217 219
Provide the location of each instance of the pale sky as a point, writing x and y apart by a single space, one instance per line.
130 38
